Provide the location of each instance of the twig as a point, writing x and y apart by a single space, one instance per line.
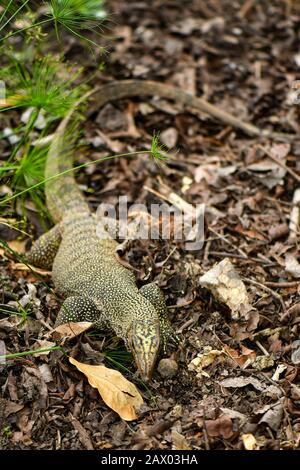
162 263
262 348
280 163
283 284
205 435
188 323
267 289
248 258
291 312
227 241
245 9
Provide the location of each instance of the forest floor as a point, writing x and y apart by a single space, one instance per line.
243 57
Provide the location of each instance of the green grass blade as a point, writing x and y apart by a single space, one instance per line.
69 170
30 352
15 13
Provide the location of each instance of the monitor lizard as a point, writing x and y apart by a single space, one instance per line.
85 270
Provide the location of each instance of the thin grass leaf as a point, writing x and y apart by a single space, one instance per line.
154 152
15 13
6 8
69 170
31 168
47 86
76 16
158 150
29 353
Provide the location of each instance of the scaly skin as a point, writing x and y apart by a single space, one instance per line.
86 272
99 289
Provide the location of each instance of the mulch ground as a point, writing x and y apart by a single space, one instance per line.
244 57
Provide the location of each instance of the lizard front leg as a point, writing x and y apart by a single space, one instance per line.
44 249
79 308
155 295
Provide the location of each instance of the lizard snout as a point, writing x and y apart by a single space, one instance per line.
144 343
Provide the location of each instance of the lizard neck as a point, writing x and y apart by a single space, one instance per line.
128 308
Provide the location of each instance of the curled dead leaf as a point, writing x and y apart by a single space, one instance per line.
248 355
221 426
17 245
203 360
179 441
238 382
226 285
292 265
249 441
11 407
43 344
70 330
29 268
116 391
272 415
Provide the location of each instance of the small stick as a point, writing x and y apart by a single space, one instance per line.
206 440
280 163
227 241
267 289
232 255
283 284
262 348
245 9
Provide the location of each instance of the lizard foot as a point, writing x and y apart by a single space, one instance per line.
44 249
76 309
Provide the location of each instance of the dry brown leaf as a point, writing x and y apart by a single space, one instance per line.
254 234
43 344
15 245
11 407
70 330
179 441
221 426
295 357
29 268
269 172
238 382
249 441
83 435
272 415
248 355
226 285
292 265
235 415
203 360
116 391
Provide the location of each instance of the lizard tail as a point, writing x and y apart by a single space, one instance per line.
62 193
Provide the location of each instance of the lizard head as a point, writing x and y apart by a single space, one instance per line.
144 342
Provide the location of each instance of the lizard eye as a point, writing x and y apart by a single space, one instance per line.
144 343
